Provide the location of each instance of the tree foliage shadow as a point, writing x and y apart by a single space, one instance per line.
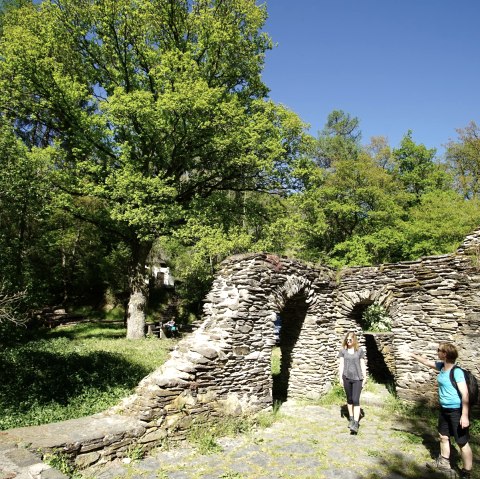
400 466
44 377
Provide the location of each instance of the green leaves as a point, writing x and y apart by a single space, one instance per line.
144 204
417 170
166 94
464 158
367 205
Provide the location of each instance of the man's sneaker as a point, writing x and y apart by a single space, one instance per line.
465 474
441 464
350 423
354 427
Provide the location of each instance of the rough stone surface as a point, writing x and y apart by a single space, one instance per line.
16 462
224 366
306 442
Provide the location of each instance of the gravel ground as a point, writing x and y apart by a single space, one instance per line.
306 442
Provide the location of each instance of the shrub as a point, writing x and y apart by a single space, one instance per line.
375 318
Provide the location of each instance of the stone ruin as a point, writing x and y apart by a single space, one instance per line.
224 366
227 359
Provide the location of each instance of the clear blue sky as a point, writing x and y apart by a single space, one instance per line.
394 64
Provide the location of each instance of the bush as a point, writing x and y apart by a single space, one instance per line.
375 318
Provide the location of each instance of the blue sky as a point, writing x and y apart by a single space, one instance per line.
394 64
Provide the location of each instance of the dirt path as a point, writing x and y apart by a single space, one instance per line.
306 442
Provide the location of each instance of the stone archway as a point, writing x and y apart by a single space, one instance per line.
380 358
224 366
380 361
293 316
299 301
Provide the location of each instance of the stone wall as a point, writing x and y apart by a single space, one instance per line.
224 366
380 359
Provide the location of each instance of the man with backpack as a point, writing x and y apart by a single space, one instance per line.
453 418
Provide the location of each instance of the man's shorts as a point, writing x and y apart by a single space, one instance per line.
449 425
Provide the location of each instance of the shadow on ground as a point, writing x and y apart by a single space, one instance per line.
37 376
399 466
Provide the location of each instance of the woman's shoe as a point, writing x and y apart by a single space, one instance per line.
440 464
354 428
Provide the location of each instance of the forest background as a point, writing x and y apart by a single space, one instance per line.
140 132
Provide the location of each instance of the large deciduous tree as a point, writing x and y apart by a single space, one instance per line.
417 170
145 106
464 157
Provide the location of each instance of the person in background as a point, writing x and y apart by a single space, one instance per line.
277 326
453 419
171 329
352 373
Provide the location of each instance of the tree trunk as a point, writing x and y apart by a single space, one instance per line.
137 302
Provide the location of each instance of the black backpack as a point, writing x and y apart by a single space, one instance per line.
472 385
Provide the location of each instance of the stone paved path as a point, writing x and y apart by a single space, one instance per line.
307 442
19 463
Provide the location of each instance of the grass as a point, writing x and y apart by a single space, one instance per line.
204 435
72 371
276 361
60 461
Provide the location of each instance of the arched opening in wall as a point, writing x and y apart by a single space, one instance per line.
291 321
378 345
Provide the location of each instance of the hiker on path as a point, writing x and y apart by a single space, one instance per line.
453 418
352 372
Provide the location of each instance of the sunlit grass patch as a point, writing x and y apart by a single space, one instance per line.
276 361
204 434
335 396
73 371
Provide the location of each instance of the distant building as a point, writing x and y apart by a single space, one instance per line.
161 276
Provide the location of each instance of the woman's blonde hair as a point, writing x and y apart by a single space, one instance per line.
451 353
352 335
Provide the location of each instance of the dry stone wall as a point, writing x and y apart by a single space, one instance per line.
226 362
224 366
228 357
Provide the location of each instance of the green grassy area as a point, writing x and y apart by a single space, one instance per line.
203 435
73 371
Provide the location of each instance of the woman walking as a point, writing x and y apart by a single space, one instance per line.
352 373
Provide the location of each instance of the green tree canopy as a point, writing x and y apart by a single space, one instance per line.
146 106
416 168
339 139
464 158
